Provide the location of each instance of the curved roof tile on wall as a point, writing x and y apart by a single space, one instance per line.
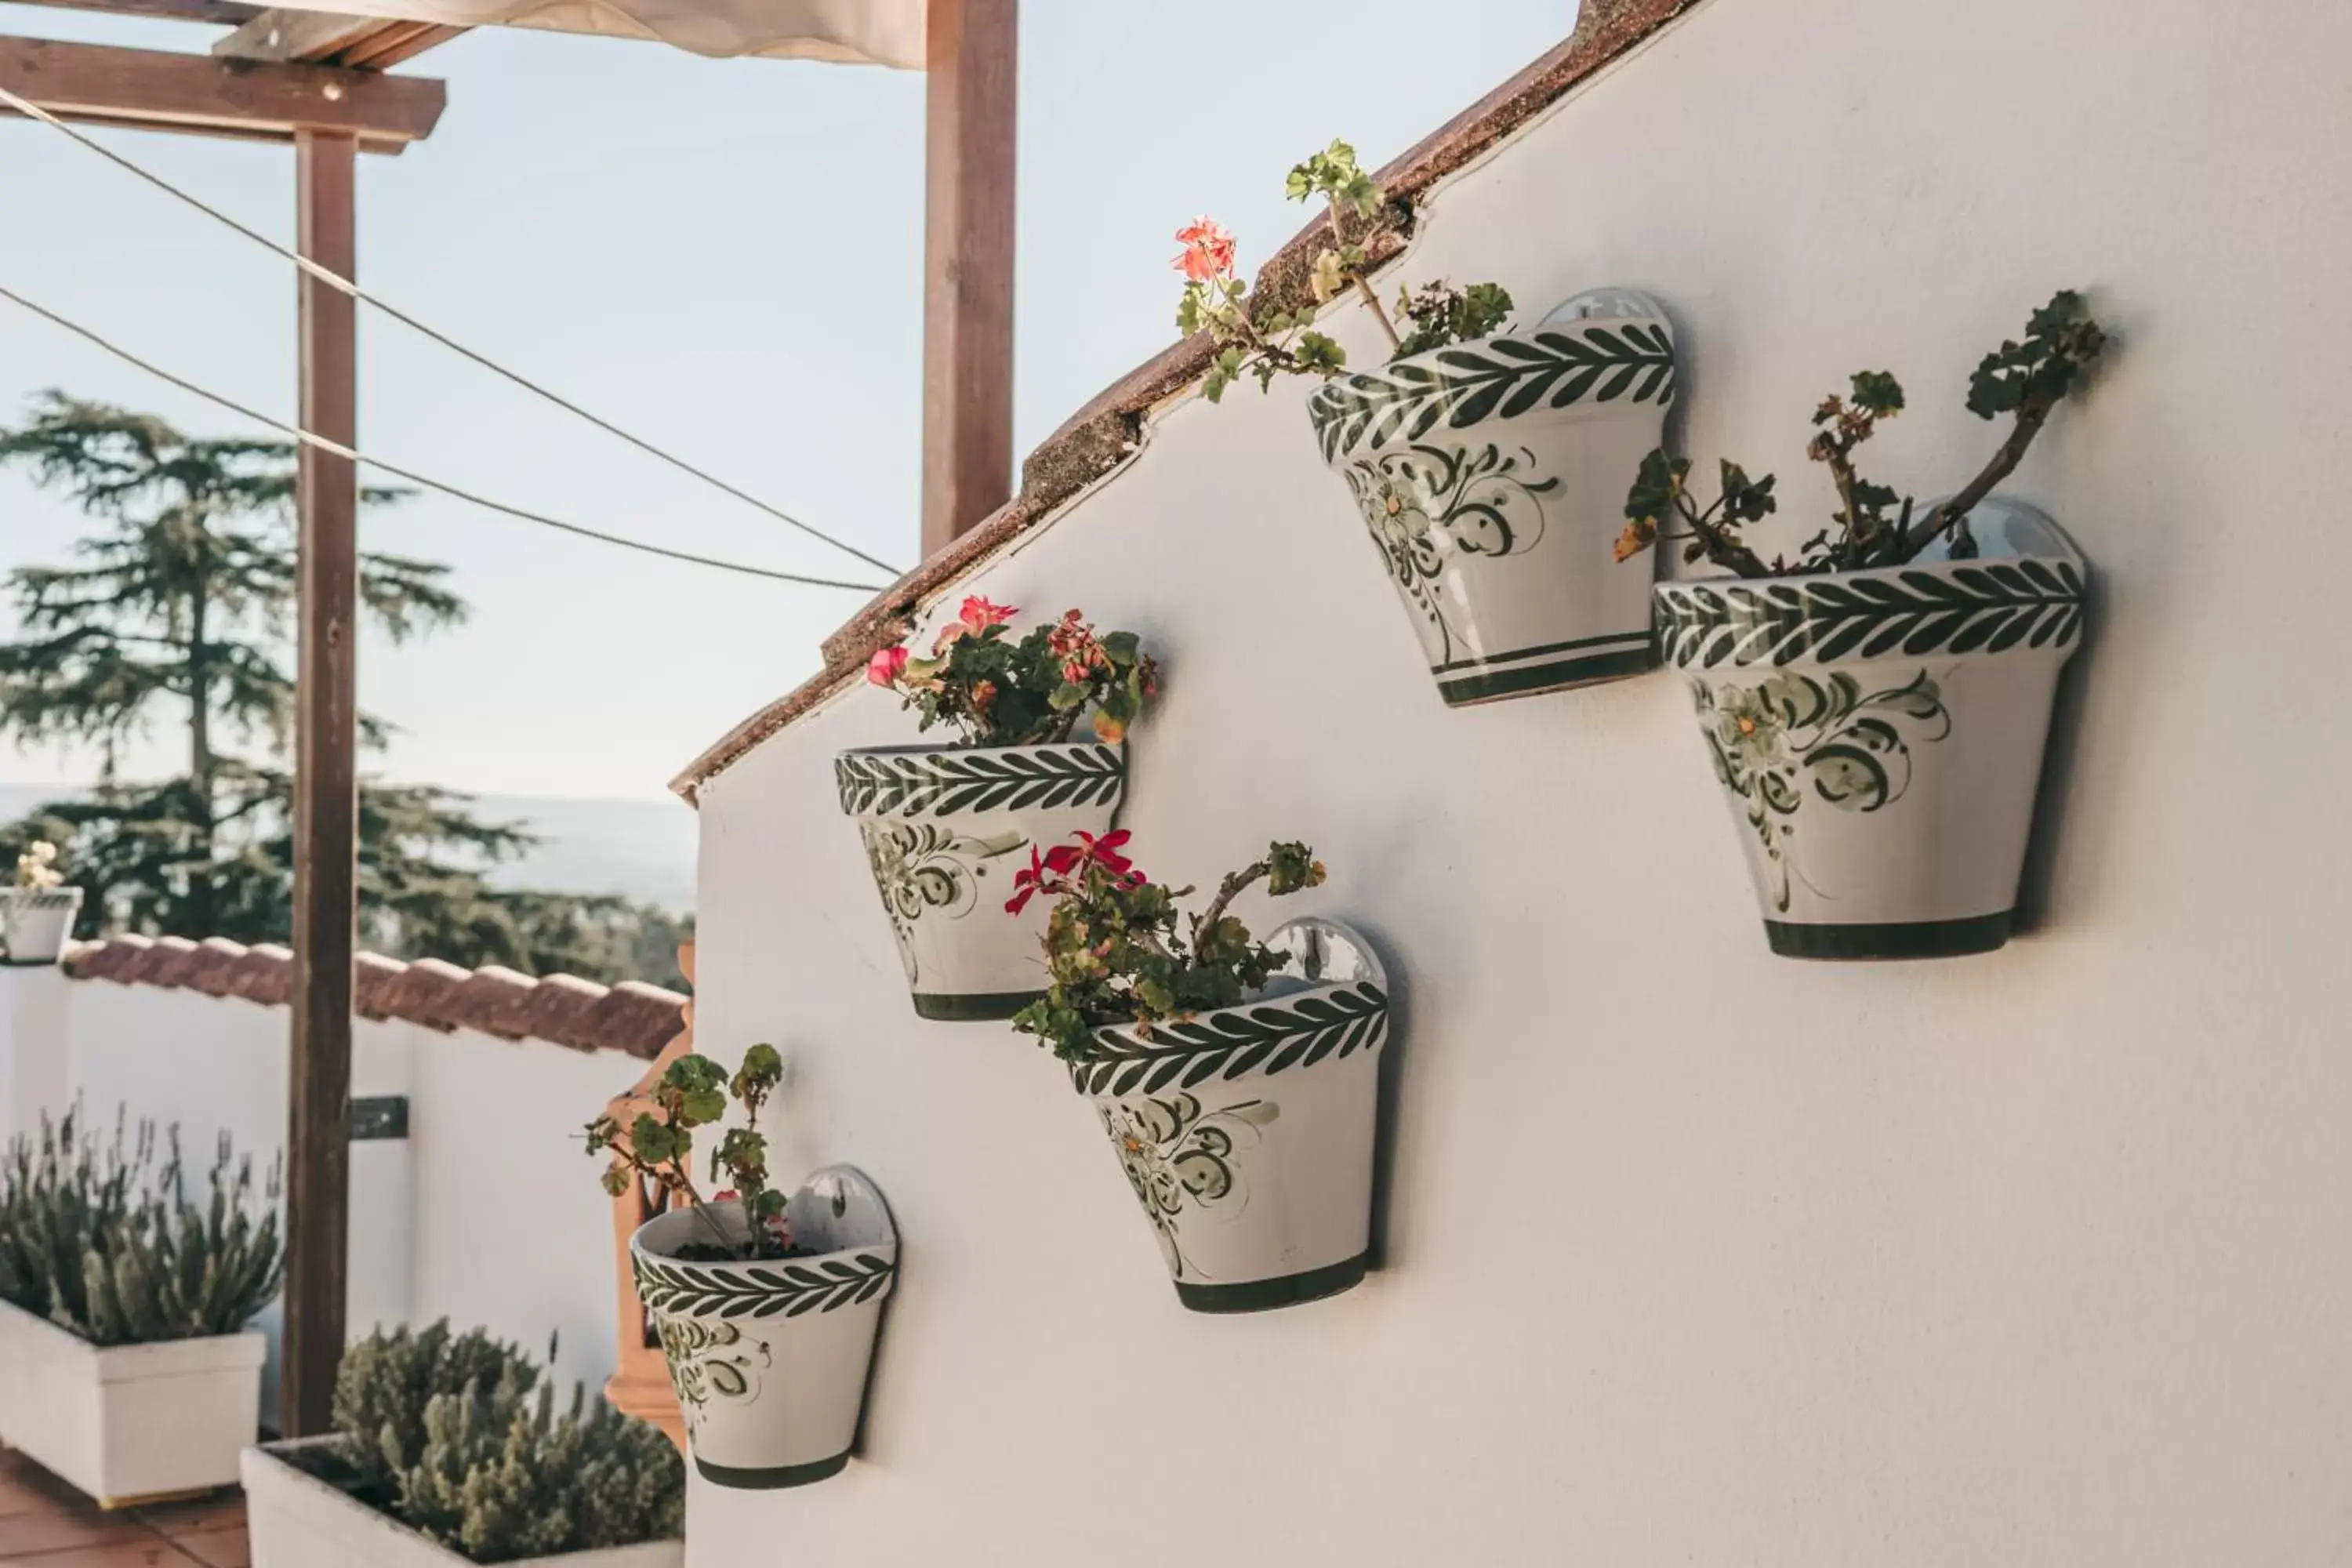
562 1008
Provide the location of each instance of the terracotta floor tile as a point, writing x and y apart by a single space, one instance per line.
221 1509
45 1523
25 1534
215 1548
150 1552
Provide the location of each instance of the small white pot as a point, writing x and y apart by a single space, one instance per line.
768 1360
1879 735
945 828
35 925
1492 477
127 1422
1248 1132
294 1520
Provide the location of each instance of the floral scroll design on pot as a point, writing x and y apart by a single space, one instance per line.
1795 734
1178 1159
1425 505
919 867
711 1359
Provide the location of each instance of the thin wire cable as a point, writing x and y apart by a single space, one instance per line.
340 450
343 285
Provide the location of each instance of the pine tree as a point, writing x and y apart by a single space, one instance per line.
177 609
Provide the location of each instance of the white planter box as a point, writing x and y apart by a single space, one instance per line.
126 1422
294 1520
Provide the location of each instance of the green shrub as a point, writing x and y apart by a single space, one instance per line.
103 1241
459 1437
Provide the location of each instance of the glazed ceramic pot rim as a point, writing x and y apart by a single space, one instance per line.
1298 1025
1569 383
782 1280
957 748
943 781
2029 598
40 897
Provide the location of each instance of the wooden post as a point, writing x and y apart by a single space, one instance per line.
640 1385
318 1186
968 264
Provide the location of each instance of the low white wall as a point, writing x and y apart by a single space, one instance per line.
1695 1255
487 1213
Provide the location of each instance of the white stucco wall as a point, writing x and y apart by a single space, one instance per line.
487 1213
1695 1255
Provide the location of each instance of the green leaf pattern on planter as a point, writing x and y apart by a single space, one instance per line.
709 1359
1425 505
1272 1037
1991 606
1796 733
1498 377
936 782
1179 1158
923 867
792 1288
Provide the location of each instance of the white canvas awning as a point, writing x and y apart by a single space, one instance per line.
845 32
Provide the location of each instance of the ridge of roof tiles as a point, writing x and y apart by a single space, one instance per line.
563 1009
1107 432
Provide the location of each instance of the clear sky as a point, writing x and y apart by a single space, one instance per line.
724 257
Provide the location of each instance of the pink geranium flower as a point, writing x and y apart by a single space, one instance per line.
1208 250
886 666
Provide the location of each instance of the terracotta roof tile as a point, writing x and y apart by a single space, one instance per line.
492 1001
562 1008
105 959
374 980
264 974
427 992
215 966
1103 435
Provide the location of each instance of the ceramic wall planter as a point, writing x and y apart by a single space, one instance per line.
768 1360
294 1519
128 1421
36 923
1248 1132
1492 477
1879 733
945 828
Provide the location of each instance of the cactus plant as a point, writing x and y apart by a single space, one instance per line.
102 1239
458 1436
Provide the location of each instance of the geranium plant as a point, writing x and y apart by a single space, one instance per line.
658 1146
36 868
1000 691
1265 341
1113 947
1874 524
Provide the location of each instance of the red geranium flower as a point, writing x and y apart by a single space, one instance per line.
886 665
1208 250
1040 876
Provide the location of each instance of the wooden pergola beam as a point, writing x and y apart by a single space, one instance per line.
158 90
325 37
221 13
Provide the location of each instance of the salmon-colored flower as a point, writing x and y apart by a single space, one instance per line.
980 614
984 692
886 665
1208 250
